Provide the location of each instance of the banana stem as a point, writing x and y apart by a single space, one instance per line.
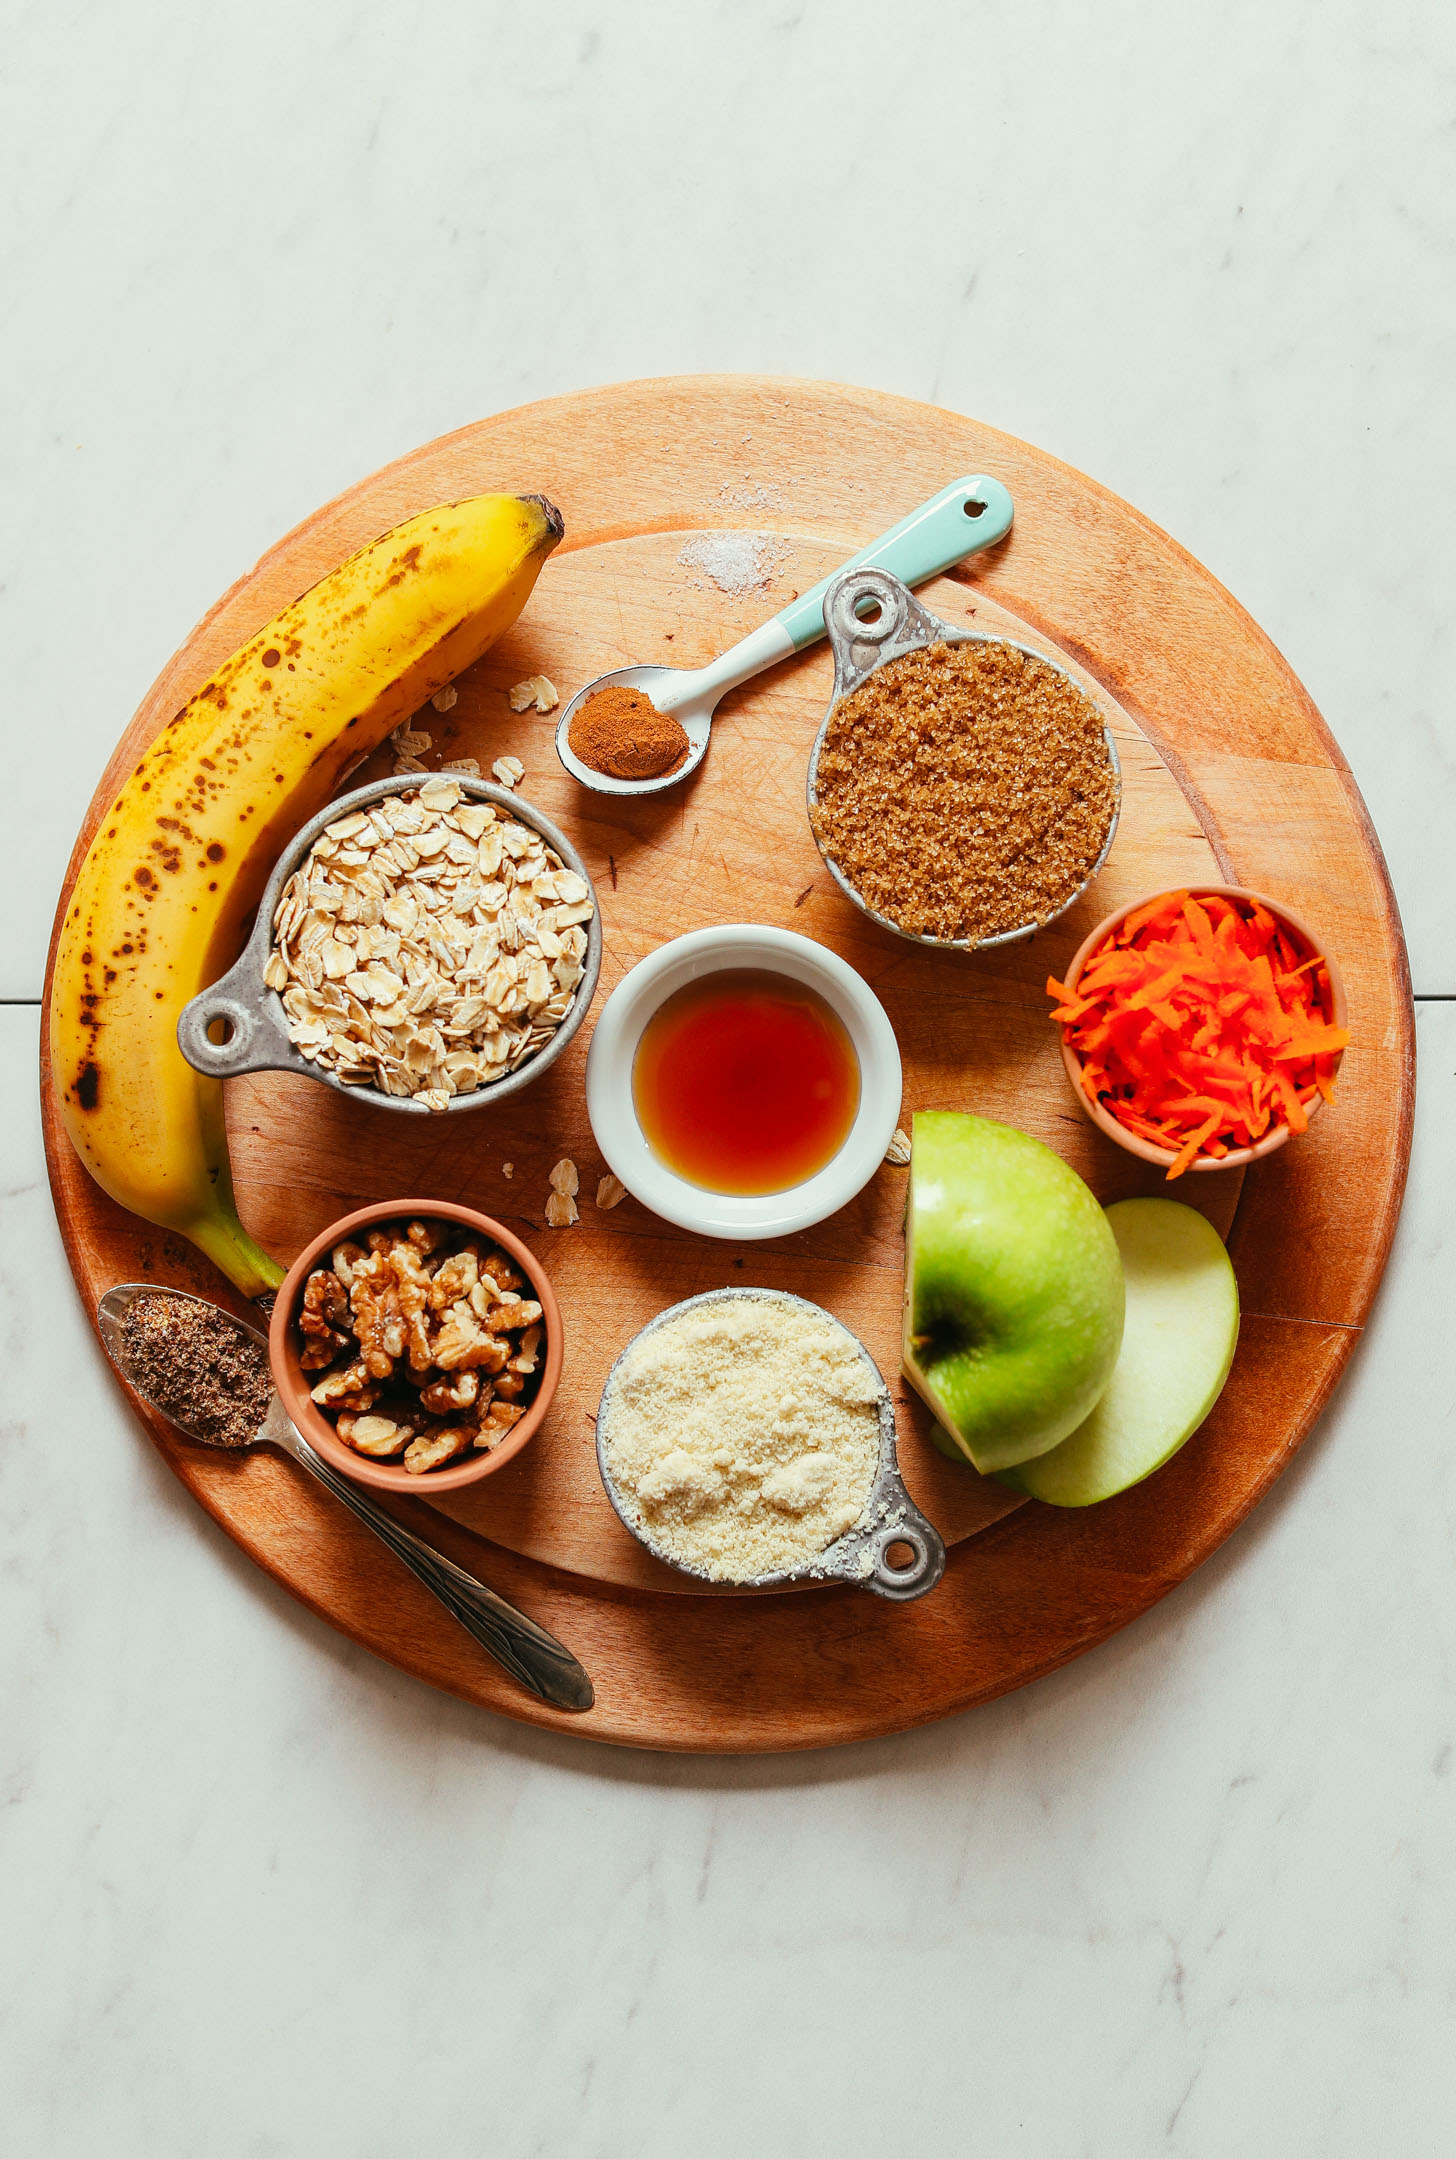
227 1244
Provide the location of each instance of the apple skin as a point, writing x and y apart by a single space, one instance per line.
1177 1350
1013 1288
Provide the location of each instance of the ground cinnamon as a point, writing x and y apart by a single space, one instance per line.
621 732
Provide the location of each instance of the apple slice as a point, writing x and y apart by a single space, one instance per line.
1013 1288
1177 1346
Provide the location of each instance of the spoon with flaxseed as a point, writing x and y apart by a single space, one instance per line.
207 1373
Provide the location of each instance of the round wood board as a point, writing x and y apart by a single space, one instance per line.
1229 774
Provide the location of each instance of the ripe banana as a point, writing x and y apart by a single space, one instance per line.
181 858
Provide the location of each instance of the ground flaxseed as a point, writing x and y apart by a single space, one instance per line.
965 790
198 1366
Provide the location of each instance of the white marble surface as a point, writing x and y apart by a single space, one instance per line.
1195 1894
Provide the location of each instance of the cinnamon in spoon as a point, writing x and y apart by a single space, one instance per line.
620 732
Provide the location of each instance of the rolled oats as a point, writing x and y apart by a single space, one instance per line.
898 1151
509 771
537 690
429 945
610 1192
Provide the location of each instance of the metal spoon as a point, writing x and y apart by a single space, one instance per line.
534 1658
963 518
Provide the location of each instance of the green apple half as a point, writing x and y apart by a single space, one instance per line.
1177 1347
1013 1288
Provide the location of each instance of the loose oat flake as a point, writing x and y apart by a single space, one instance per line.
428 945
898 1151
509 771
537 690
561 1207
610 1192
409 745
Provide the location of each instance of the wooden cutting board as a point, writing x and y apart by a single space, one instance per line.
1228 774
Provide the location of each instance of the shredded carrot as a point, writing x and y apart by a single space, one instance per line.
1165 903
1192 1144
1199 1023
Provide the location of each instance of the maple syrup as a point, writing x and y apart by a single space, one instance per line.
745 1082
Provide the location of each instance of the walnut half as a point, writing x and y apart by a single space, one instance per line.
374 1435
433 1449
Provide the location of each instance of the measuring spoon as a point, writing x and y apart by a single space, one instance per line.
966 516
534 1658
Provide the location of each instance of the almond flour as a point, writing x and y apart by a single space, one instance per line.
743 1436
965 791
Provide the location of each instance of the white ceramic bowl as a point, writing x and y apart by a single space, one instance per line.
614 1046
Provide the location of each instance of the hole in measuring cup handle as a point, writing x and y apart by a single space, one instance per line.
922 1570
898 1573
217 1033
865 608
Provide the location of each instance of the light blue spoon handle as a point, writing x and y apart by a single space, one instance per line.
963 518
966 516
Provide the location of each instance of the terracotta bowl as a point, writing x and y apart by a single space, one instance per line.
293 1382
1238 1157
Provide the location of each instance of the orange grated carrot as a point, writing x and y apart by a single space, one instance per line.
1187 1152
1199 1022
1165 902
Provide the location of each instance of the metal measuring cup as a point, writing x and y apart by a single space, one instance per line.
249 1017
892 624
890 1516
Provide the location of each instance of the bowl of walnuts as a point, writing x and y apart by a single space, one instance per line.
416 1344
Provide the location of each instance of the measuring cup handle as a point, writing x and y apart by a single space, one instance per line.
962 519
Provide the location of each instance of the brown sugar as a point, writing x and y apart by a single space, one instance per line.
621 732
965 790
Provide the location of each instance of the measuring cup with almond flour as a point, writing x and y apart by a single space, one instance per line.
656 1409
963 797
